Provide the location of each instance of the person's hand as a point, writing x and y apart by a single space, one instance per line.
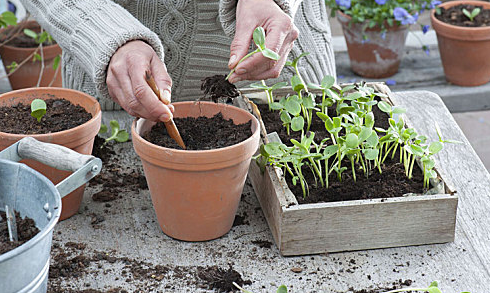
127 85
280 35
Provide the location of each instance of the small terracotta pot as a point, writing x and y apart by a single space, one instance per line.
465 51
196 193
376 57
80 138
27 75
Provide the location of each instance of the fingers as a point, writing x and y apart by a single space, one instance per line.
162 80
241 42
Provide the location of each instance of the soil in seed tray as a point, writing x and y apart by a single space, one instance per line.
60 115
201 133
219 89
455 16
26 229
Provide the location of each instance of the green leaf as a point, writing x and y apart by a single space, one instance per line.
30 33
277 106
438 130
259 85
273 149
369 120
103 128
330 151
364 134
328 82
433 289
114 127
397 110
282 289
384 106
373 139
314 86
370 154
42 37
297 123
354 96
435 147
56 62
293 107
309 102
322 116
268 53
279 85
296 83
285 117
37 57
351 141
38 109
259 37
9 18
417 150
122 136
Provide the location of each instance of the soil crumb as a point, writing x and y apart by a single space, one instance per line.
219 89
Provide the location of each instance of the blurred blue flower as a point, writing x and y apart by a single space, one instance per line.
404 17
344 3
340 76
425 28
381 2
426 50
390 82
434 3
383 35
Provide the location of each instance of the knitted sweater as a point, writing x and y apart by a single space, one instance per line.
192 37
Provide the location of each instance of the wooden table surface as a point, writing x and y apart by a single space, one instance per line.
130 230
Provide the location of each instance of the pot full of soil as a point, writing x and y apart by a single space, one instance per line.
72 120
36 202
464 45
196 192
372 54
22 48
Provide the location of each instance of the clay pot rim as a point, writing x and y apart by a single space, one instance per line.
24 49
95 117
460 32
376 27
255 122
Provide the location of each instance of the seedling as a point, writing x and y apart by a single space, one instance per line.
268 90
38 109
471 15
259 40
116 133
281 289
433 288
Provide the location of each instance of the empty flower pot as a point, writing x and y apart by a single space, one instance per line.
196 193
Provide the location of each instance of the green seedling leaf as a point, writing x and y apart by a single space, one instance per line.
297 123
298 144
270 54
364 134
13 66
293 107
370 154
277 106
438 130
353 96
259 85
327 82
296 83
103 129
259 37
9 18
122 136
314 86
36 57
30 33
282 289
56 62
309 102
322 116
114 127
351 141
348 88
369 120
384 106
42 37
285 117
435 147
38 109
279 85
373 139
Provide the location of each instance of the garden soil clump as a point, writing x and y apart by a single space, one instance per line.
201 133
219 89
26 229
60 115
455 16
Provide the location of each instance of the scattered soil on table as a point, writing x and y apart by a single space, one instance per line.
201 133
455 16
74 260
380 289
262 243
113 177
60 115
26 229
219 89
241 220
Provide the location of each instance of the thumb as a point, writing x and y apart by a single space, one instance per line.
241 43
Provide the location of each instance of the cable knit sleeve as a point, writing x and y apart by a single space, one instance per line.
227 12
91 31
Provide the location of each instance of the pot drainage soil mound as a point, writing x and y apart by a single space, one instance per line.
201 133
455 16
26 229
60 115
219 89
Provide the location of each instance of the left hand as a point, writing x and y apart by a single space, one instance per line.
280 35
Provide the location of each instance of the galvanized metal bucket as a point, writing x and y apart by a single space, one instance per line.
25 268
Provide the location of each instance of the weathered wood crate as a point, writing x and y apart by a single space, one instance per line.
348 225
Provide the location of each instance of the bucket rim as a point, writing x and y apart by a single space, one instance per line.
52 222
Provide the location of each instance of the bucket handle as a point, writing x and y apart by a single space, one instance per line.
84 167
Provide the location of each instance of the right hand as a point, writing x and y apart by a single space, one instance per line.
127 85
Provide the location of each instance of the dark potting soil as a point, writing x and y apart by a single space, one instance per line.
221 279
60 115
392 182
26 229
218 89
201 133
455 16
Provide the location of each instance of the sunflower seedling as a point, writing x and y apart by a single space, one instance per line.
268 91
259 40
116 133
38 109
471 15
433 288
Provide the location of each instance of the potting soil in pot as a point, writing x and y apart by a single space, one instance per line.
26 229
455 16
392 182
60 115
201 133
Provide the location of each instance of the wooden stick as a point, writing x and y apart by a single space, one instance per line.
170 125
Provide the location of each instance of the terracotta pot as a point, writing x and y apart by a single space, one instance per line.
80 138
376 57
196 193
27 75
464 50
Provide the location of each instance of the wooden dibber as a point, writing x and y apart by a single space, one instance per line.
170 125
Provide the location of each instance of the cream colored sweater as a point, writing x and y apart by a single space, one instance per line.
192 37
